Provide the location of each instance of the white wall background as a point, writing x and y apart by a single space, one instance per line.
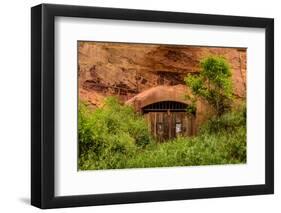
15 105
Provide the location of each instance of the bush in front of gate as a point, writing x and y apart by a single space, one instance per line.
115 137
220 141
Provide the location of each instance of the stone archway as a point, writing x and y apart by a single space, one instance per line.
159 93
164 108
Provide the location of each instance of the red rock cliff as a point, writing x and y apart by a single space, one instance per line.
127 69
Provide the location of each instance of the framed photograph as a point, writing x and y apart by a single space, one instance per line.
136 106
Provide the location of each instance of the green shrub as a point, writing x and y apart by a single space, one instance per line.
220 141
109 134
114 136
202 150
228 122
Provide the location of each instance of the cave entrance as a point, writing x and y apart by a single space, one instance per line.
168 119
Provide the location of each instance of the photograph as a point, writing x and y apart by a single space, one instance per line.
135 105
143 105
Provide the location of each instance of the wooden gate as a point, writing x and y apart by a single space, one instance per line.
168 120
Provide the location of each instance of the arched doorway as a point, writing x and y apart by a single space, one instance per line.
168 119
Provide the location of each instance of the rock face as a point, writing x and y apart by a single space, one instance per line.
125 70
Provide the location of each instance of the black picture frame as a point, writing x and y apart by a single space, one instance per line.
43 102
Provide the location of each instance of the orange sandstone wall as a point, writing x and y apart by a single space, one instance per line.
126 70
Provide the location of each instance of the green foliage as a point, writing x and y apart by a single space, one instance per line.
115 137
225 144
229 122
109 134
214 83
191 108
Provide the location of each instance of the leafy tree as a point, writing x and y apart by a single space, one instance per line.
213 83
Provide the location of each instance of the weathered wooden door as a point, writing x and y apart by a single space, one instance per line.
168 119
167 125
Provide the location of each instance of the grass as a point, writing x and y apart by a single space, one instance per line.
114 137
